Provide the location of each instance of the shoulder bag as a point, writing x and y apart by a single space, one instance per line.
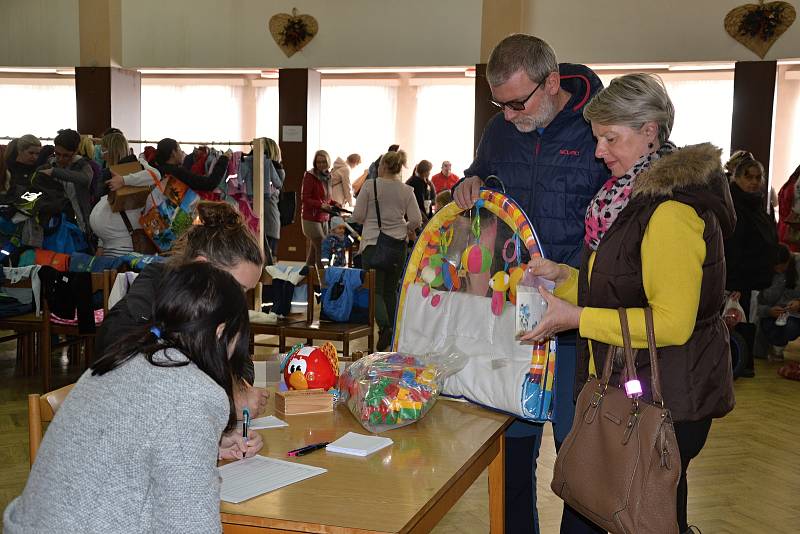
389 251
141 243
619 466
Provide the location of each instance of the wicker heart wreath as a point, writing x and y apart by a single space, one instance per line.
292 32
758 26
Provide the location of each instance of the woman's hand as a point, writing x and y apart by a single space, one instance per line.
549 270
254 398
116 182
775 312
560 316
48 171
233 446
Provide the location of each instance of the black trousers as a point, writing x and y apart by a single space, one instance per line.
691 436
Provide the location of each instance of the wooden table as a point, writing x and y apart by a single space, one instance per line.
406 488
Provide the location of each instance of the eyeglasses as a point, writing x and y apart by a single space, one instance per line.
516 105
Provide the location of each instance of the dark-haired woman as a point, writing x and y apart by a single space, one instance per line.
134 446
223 239
779 304
424 191
169 160
750 251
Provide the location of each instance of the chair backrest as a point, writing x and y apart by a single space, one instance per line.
316 279
42 409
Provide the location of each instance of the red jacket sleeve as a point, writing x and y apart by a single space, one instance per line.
310 195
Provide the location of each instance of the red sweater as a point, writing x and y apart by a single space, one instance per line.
442 182
315 193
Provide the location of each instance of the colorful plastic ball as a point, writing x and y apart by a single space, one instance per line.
477 259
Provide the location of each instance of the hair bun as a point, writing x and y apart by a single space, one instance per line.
219 215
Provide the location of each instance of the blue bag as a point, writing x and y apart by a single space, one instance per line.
67 238
339 296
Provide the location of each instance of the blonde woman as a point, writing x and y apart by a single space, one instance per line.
21 156
400 216
316 202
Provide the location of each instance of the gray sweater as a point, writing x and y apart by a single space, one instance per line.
134 450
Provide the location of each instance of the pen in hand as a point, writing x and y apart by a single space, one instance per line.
245 426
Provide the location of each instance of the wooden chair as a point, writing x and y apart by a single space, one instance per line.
332 331
24 330
272 329
42 409
100 282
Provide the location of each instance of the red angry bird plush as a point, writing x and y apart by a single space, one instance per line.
312 368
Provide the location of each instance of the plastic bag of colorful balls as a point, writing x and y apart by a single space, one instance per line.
388 390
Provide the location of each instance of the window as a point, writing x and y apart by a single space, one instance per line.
24 111
357 117
191 112
445 124
267 111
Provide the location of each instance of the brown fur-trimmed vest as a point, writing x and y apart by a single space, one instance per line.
696 377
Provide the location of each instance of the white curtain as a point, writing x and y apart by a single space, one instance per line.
37 107
192 112
444 126
267 111
357 119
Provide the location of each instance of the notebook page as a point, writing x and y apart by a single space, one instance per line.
248 478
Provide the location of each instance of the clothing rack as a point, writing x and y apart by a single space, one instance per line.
258 179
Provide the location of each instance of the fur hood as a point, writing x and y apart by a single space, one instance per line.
690 166
691 174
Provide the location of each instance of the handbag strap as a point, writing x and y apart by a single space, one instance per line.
127 222
630 366
651 344
377 205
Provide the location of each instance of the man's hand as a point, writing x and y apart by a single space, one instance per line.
467 192
776 311
116 182
233 447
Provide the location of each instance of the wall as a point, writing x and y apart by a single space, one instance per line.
786 136
209 33
39 33
636 31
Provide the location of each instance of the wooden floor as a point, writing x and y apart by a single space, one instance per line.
746 480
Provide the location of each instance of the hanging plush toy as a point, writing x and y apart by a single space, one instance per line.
312 368
515 275
437 271
499 285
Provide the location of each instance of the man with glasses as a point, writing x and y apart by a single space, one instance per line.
74 173
542 150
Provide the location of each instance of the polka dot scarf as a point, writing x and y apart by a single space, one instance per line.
612 198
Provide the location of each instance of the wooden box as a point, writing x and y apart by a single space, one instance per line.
296 402
127 197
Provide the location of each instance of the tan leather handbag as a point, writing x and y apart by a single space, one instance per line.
619 466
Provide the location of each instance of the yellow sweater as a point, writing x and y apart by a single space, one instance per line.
673 252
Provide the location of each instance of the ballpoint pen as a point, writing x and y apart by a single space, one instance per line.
307 449
245 426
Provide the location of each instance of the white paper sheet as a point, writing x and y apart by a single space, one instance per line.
248 478
358 444
269 421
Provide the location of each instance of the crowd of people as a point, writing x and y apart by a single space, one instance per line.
630 221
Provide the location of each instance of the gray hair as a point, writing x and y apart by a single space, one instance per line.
632 100
745 165
520 51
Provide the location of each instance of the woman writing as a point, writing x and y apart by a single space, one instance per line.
134 446
316 203
654 238
400 216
